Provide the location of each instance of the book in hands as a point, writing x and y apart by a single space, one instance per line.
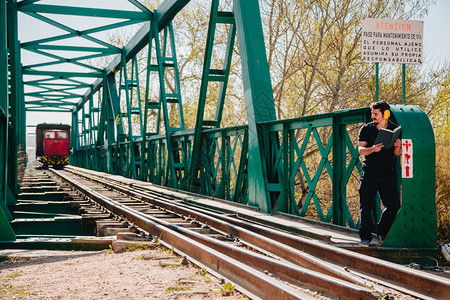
388 137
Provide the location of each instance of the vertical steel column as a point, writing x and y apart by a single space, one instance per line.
163 62
258 96
130 86
6 232
15 99
74 142
211 75
4 103
106 128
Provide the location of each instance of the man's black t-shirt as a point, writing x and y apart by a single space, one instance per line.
379 160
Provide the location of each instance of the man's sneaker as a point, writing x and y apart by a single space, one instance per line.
364 243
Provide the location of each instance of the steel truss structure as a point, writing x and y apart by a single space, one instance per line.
304 167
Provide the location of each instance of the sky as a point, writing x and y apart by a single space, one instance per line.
436 51
436 33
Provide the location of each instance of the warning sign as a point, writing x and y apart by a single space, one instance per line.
407 158
392 41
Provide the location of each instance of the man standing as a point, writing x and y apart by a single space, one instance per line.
377 175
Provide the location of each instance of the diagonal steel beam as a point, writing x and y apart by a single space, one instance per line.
140 6
85 11
73 48
61 75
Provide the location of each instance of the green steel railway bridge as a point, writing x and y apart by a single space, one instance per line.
307 167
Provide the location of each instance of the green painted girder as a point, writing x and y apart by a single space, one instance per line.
17 104
61 90
211 75
84 34
163 61
258 93
108 49
73 32
92 122
6 232
74 60
44 104
141 7
53 95
83 11
129 84
165 12
57 109
26 2
63 75
49 102
67 86
61 61
73 48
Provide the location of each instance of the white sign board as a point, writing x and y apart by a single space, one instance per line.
407 158
392 41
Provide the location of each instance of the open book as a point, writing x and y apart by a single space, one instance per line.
388 137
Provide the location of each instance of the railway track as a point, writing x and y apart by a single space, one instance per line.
268 263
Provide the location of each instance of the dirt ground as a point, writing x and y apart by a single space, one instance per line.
142 274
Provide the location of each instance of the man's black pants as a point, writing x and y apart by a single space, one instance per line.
383 181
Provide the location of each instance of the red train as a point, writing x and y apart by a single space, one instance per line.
53 144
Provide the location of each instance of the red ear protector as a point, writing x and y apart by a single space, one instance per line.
386 114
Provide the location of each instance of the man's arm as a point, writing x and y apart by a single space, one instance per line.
363 150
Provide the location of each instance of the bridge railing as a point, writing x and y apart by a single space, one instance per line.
303 156
315 163
312 168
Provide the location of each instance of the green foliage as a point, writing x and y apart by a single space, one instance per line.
14 274
202 272
13 259
9 291
139 247
226 289
110 249
314 54
178 288
167 250
443 195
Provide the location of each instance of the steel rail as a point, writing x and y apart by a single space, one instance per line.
287 271
225 225
417 283
251 279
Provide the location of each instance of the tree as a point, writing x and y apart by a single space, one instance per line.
314 52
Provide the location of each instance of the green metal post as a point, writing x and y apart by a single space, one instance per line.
117 138
258 91
15 100
163 61
403 84
74 139
377 71
6 232
211 75
4 103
